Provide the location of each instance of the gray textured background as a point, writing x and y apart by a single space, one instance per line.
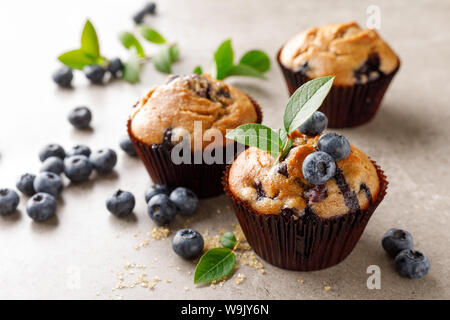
409 138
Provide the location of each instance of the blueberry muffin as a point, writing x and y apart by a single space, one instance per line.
296 217
362 63
192 112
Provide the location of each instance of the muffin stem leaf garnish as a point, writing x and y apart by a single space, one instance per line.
218 262
300 107
254 63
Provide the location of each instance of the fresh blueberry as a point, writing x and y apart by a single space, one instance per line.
396 240
187 243
78 150
103 160
412 264
25 184
94 73
115 67
161 209
41 206
314 125
63 77
127 146
150 8
336 145
80 117
53 164
9 200
318 167
77 168
121 203
52 150
185 199
48 182
138 18
156 189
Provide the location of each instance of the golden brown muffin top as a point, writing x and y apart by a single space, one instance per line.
282 188
351 54
182 100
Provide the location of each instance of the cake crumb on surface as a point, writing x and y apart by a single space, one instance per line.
327 288
239 278
159 233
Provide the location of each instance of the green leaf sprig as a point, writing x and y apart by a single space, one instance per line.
218 262
88 53
300 107
253 63
162 60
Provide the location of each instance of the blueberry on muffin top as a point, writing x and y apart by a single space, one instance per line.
353 55
169 110
283 188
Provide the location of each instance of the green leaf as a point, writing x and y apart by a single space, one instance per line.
244 70
284 139
129 41
257 135
77 59
174 52
198 70
131 69
305 101
256 59
163 60
89 40
214 264
228 240
151 34
223 58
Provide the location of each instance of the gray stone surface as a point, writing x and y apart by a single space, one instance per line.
78 254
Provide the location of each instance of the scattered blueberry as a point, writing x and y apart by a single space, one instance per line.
103 160
318 167
396 240
77 168
127 146
161 209
9 200
121 203
314 125
156 189
48 182
53 164
185 199
115 67
335 145
150 8
52 150
25 184
187 243
78 150
138 18
80 117
412 264
41 207
63 77
94 73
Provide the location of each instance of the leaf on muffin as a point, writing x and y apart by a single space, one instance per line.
300 107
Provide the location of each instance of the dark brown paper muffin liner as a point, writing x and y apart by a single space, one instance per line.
204 179
345 106
307 244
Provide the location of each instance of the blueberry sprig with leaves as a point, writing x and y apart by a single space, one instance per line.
253 63
162 60
218 262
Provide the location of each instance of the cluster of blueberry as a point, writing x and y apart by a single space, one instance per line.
320 166
44 188
95 73
408 262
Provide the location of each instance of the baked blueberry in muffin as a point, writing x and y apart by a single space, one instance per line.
361 61
195 106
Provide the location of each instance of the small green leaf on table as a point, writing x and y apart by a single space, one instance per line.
89 40
129 41
151 34
162 60
131 69
77 59
256 59
223 58
214 264
245 70
228 240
